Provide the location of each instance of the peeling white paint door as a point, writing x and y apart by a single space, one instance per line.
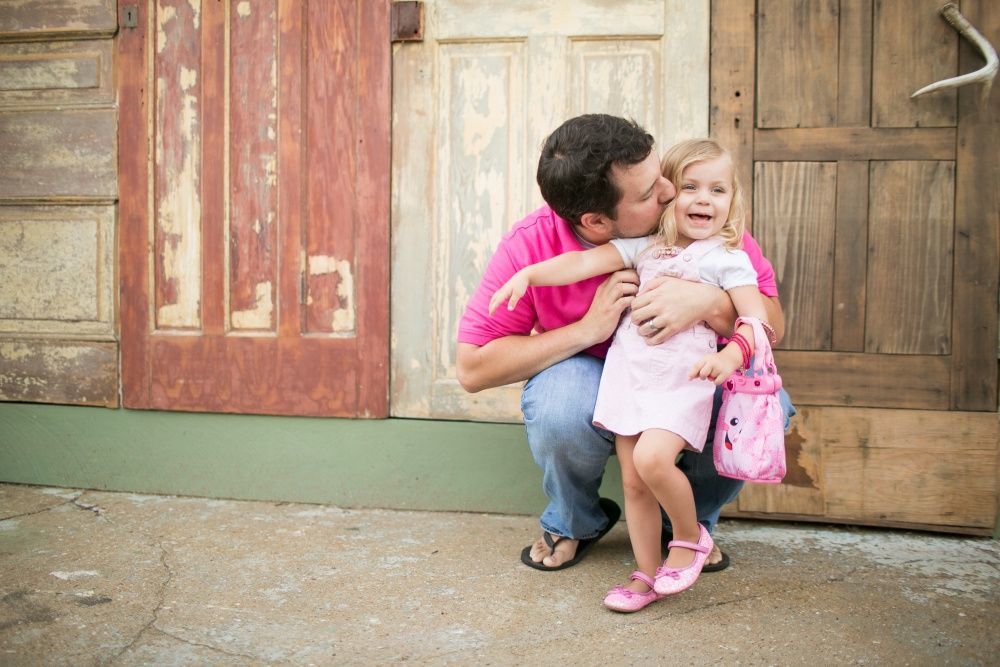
472 104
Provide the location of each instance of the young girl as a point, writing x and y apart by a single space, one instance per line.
651 396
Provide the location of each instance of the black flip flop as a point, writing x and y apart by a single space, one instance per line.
714 567
611 510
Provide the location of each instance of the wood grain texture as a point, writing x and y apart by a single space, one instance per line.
63 73
977 225
177 127
854 78
333 90
68 155
24 20
855 143
59 371
796 209
252 210
913 47
910 255
850 270
901 468
57 270
797 67
732 93
866 380
135 149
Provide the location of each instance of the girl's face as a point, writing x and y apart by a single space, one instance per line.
704 196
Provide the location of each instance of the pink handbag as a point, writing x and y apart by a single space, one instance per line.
749 439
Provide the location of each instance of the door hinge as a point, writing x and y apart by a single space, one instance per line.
407 22
130 16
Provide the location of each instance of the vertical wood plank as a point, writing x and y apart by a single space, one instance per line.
373 186
291 155
177 190
977 216
796 212
213 167
854 81
913 47
795 62
252 175
851 257
134 150
910 256
733 70
333 92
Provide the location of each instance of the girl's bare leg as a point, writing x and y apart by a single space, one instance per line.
654 459
642 514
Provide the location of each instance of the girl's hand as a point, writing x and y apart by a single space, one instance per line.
717 367
511 291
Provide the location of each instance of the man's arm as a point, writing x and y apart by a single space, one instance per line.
514 358
668 305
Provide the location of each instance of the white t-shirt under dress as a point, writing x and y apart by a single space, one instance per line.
646 386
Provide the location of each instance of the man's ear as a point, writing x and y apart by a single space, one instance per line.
596 223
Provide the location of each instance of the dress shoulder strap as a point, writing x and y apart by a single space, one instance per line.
702 247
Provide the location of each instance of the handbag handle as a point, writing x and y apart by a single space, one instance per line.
762 376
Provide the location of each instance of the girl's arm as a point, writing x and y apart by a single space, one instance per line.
564 269
719 366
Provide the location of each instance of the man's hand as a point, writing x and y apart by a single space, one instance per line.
613 296
669 305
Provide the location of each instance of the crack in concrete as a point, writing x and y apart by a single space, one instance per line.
160 601
41 511
208 646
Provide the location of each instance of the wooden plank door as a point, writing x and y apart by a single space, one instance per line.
254 206
472 104
879 211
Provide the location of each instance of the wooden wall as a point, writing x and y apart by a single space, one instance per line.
58 188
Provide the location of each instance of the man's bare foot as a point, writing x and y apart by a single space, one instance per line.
565 550
715 556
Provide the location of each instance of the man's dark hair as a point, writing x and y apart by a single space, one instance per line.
574 171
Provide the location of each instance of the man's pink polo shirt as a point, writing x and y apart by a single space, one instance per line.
539 236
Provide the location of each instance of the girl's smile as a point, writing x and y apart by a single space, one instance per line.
704 197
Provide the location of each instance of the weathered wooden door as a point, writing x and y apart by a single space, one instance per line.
472 104
254 207
880 214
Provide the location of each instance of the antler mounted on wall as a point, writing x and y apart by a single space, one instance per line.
964 28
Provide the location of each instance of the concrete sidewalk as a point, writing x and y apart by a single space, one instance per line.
112 578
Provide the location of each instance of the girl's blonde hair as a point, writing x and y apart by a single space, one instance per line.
679 157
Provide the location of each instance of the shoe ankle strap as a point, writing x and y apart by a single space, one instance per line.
689 545
641 576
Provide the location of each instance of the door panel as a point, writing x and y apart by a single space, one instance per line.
867 254
473 103
254 253
880 214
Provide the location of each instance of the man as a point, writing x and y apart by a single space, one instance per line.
600 179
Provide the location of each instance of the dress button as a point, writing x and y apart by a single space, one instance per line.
687 258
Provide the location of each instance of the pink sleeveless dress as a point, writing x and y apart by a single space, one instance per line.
646 386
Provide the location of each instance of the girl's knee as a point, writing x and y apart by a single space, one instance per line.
652 461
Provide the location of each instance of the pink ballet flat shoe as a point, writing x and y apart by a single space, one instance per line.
622 599
671 580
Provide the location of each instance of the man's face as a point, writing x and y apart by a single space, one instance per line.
645 193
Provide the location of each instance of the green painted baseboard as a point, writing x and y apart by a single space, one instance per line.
389 463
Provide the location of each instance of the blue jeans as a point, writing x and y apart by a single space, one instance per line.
558 407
